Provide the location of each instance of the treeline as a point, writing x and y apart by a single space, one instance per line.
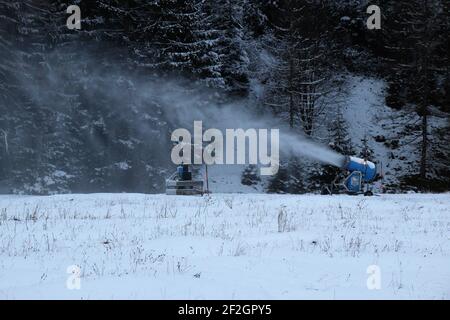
74 118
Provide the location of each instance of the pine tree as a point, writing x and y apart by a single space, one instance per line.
298 177
250 176
295 88
279 183
24 120
283 44
413 38
339 136
172 36
312 70
340 142
366 151
291 177
8 94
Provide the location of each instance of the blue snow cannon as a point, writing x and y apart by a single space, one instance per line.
363 172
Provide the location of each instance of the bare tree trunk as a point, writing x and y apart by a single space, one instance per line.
424 151
5 137
291 93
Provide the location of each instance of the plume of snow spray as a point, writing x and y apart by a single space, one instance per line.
300 145
185 108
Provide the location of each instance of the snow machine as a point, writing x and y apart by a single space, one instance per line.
181 183
360 176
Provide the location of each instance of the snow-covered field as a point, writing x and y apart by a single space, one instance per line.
230 246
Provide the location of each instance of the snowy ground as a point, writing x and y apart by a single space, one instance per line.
227 246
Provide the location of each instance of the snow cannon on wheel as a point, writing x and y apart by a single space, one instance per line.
181 183
359 178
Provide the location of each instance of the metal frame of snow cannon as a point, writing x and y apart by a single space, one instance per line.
181 183
359 181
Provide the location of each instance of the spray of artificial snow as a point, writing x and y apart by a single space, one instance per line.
299 145
187 108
